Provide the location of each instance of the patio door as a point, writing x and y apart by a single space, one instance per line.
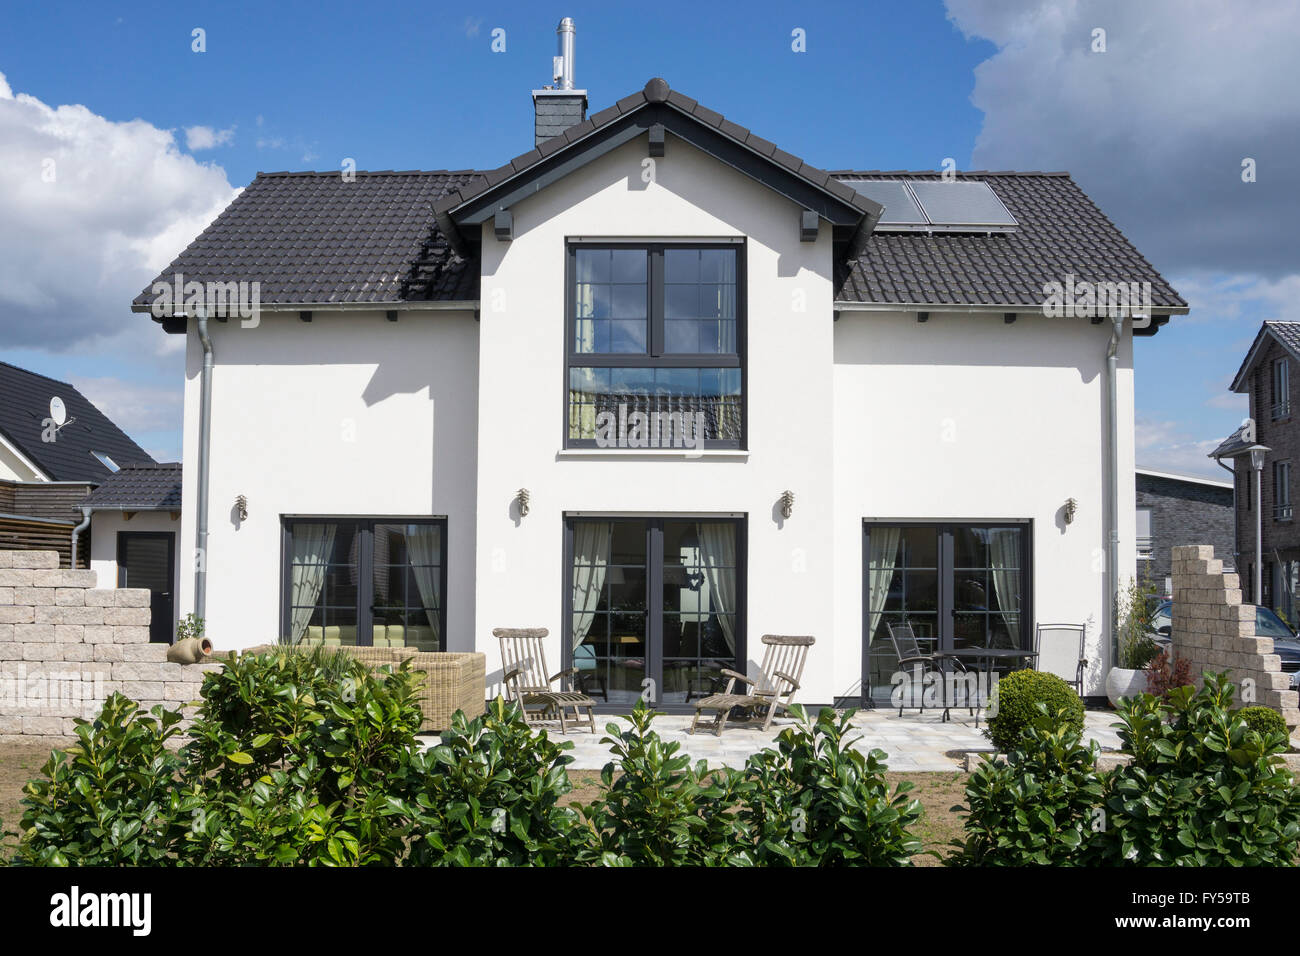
957 585
654 607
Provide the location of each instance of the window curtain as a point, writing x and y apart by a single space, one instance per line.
1004 556
312 546
718 555
727 305
424 548
882 555
591 540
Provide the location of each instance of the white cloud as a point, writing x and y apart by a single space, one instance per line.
132 406
1166 446
92 209
205 137
1155 128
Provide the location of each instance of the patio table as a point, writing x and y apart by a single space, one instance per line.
987 656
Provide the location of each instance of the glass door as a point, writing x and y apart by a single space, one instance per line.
654 607
957 585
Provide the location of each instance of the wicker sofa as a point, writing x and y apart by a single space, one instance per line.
452 681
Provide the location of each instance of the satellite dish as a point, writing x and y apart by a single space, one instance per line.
57 411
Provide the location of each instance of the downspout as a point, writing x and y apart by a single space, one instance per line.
76 533
205 435
1112 489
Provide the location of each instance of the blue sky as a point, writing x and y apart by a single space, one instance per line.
1153 128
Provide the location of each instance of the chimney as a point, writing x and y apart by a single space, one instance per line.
559 106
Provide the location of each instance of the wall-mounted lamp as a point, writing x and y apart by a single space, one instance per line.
521 497
241 507
1071 506
787 503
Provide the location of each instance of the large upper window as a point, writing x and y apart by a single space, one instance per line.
365 582
655 346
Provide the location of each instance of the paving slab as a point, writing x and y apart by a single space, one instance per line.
914 742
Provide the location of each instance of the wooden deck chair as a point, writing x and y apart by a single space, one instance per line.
528 684
777 682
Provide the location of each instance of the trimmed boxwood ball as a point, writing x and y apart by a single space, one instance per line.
1264 720
1018 695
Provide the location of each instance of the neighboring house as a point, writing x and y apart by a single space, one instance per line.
438 421
48 467
135 516
1265 376
1174 509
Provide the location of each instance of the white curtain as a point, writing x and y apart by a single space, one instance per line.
882 555
590 558
312 546
424 548
718 555
1004 554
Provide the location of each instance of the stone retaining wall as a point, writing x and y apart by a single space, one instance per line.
65 645
1213 631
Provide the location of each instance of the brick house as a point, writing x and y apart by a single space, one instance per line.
1265 376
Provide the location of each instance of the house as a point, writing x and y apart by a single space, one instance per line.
1262 451
662 387
55 446
1175 509
135 518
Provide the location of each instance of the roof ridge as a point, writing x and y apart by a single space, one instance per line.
368 172
939 172
27 371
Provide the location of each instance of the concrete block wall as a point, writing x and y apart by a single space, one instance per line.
1213 631
66 644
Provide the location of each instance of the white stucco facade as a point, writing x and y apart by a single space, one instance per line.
874 416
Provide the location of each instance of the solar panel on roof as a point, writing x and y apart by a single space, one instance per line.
961 203
900 206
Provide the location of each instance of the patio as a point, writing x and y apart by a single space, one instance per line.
914 742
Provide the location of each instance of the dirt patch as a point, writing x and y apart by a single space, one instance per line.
18 764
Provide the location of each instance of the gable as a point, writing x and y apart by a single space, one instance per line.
1272 339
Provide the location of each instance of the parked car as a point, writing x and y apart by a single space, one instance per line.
1267 624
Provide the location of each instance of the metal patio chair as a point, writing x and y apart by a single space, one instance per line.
523 656
1060 652
774 689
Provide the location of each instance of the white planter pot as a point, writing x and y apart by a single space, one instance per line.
1123 682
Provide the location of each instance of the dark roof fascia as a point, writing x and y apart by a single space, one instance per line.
531 176
1252 356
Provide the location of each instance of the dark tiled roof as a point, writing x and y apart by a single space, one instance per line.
1287 335
1060 232
1233 445
312 238
140 488
25 404
658 91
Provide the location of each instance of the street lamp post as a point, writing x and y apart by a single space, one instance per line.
1257 454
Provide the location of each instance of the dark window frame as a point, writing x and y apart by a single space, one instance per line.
654 356
365 525
1282 510
654 594
1280 390
945 561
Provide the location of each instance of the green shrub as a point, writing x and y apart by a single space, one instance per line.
489 795
1017 698
1265 721
813 800
1204 789
110 800
662 811
1137 622
1038 807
